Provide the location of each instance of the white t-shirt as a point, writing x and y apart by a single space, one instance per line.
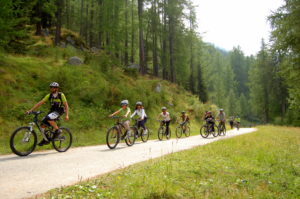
140 112
165 116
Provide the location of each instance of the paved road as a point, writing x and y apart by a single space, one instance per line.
22 177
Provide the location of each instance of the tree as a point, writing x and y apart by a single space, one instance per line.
141 38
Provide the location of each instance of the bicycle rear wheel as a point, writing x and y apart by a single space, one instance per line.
161 133
64 141
130 137
145 134
187 131
216 132
178 132
112 137
204 131
23 141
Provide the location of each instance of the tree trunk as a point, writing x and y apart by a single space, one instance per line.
59 7
67 7
171 48
81 18
141 38
126 35
164 42
38 10
154 38
132 33
91 34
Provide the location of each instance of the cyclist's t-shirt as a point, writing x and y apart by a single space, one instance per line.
124 112
221 116
57 101
165 116
238 120
140 112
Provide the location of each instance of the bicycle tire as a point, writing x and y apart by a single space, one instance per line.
216 132
204 131
187 131
65 135
145 137
130 138
13 143
161 133
114 133
178 132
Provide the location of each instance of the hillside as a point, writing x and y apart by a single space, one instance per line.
93 91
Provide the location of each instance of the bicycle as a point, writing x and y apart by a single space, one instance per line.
207 129
237 124
222 128
117 133
182 129
140 132
23 140
162 131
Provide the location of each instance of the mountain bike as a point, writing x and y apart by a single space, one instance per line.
182 129
23 140
162 131
117 133
237 124
140 132
222 128
207 129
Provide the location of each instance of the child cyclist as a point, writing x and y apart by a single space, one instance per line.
124 112
140 112
166 119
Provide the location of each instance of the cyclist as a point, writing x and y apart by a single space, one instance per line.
59 106
140 111
184 120
231 121
222 117
124 112
166 119
238 121
210 120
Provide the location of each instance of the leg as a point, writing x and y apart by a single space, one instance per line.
167 127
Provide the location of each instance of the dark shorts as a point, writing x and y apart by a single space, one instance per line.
51 116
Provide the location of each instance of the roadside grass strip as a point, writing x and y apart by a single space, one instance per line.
263 164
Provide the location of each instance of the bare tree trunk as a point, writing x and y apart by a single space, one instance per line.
141 38
92 25
132 33
126 34
81 18
171 49
164 42
59 7
154 39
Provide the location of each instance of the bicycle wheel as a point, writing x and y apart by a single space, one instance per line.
145 134
23 141
112 137
161 133
187 131
64 141
216 132
204 131
178 132
168 136
130 137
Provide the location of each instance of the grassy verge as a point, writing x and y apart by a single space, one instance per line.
264 164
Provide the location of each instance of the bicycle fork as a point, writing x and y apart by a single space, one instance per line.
27 135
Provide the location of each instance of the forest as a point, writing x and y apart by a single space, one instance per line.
162 38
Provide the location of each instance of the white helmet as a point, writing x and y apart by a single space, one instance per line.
139 103
124 102
221 109
164 108
54 84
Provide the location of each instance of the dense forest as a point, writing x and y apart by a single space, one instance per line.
162 38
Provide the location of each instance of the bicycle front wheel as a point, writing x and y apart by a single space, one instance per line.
130 137
178 132
204 131
215 132
64 141
145 134
23 141
160 133
112 137
187 131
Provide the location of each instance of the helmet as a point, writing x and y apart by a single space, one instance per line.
182 112
54 84
139 103
164 108
208 112
124 102
221 109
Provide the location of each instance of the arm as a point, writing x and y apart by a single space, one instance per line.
37 105
66 105
115 113
127 113
134 113
143 114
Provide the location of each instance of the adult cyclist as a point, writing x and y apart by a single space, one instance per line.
222 117
58 106
166 119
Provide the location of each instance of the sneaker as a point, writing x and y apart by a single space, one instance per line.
43 142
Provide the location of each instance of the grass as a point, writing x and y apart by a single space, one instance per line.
264 164
93 90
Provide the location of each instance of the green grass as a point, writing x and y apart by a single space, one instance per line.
93 90
264 164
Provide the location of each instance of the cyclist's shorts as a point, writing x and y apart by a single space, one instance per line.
51 116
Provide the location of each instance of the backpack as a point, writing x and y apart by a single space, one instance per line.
55 106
